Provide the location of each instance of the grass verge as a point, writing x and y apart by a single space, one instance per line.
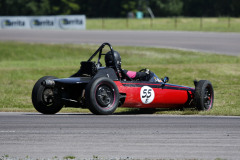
22 64
217 24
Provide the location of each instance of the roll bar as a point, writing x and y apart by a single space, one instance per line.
99 50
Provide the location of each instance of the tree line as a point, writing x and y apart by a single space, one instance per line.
121 8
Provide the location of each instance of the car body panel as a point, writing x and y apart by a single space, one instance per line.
72 80
165 95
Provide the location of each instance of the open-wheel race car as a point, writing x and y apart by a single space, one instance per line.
103 89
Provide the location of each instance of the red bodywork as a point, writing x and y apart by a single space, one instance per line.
166 96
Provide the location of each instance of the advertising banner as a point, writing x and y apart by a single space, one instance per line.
14 22
71 22
43 22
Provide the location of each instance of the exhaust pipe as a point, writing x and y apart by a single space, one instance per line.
48 83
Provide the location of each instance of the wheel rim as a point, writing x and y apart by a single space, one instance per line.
47 97
105 96
207 99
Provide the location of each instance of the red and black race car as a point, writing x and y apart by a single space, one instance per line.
103 89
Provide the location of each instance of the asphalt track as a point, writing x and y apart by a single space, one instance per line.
222 43
119 136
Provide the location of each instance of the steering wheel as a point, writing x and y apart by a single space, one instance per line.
144 78
143 70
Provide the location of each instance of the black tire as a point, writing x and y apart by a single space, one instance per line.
102 96
43 98
204 95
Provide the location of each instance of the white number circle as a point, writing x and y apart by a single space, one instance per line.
147 94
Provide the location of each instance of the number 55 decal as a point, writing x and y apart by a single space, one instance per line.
147 94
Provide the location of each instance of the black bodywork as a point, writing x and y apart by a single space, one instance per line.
72 89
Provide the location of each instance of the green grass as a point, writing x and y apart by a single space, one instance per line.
222 24
22 64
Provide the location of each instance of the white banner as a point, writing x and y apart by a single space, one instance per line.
71 22
14 22
43 22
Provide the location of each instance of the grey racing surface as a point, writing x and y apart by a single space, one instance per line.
221 43
119 136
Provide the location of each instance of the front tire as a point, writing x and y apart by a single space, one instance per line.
102 96
204 95
43 98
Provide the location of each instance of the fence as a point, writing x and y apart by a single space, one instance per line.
175 23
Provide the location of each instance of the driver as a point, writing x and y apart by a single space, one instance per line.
146 75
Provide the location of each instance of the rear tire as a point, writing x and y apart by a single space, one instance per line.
43 98
204 95
102 96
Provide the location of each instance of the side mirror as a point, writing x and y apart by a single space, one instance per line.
165 80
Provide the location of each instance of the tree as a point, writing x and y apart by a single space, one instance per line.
120 8
162 8
235 8
128 6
